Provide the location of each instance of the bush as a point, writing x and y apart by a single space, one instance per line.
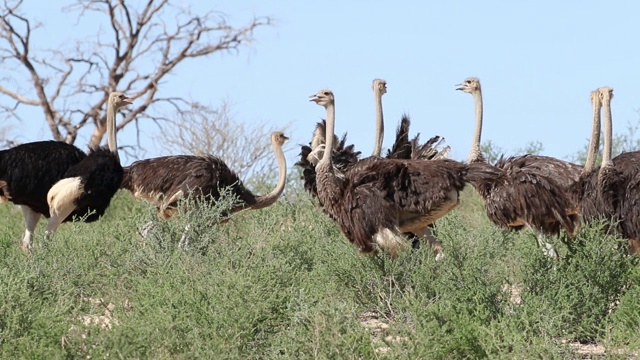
284 283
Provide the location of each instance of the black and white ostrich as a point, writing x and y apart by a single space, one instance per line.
60 181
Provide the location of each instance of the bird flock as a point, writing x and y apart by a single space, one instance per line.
381 203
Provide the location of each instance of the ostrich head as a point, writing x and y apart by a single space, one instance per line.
279 137
323 97
119 99
469 85
380 86
606 93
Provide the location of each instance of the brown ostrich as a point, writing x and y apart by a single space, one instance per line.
165 180
376 202
516 196
345 157
587 193
613 190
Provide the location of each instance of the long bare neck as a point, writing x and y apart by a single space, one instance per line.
270 198
608 133
326 180
475 153
594 142
111 127
377 146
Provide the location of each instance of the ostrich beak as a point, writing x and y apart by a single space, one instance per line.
128 100
313 97
460 86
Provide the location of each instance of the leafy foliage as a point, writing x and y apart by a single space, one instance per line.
284 283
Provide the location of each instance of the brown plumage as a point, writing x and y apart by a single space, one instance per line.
412 149
612 192
515 194
375 202
593 203
344 156
165 180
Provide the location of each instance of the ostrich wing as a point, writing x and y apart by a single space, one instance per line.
518 196
562 172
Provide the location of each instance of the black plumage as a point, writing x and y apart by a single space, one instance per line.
30 170
60 181
100 175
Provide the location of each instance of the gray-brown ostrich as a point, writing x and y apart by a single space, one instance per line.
376 202
516 196
613 191
403 148
563 173
587 192
165 180
59 180
345 157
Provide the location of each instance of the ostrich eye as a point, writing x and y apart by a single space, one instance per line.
326 93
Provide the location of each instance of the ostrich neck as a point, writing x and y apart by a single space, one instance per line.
594 142
475 153
608 133
111 128
377 146
270 198
327 182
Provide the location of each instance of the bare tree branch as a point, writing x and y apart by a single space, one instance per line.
205 130
141 45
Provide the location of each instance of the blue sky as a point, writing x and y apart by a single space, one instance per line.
537 61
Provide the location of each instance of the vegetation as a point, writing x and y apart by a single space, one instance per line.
492 152
283 283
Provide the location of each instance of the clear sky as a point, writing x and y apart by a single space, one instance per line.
537 61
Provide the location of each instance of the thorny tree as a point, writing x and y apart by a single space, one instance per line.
139 47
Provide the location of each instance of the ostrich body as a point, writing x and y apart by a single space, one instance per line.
60 181
376 202
588 193
565 174
344 157
613 190
165 180
515 196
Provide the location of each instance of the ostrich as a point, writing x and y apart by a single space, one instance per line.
516 196
564 173
587 192
402 148
60 181
376 202
612 192
344 157
165 180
